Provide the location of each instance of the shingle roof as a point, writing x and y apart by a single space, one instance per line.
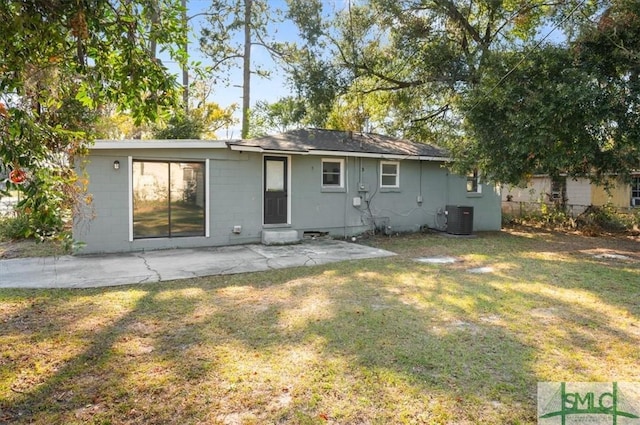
309 140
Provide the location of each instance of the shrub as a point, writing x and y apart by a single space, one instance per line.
546 215
13 227
593 221
606 218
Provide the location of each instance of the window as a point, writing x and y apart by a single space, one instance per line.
332 173
275 174
473 182
168 199
558 190
635 191
389 174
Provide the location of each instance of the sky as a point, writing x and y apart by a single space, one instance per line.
262 89
275 87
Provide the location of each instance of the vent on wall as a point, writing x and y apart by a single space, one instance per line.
459 220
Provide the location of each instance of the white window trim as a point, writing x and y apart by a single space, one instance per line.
397 174
634 200
130 185
207 196
332 186
288 223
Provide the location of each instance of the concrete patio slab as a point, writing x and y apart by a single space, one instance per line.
159 266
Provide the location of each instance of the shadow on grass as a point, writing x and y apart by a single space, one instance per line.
375 341
218 351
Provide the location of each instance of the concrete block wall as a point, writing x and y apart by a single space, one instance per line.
235 192
487 211
236 198
104 224
315 209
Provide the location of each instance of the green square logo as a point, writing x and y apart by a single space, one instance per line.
594 403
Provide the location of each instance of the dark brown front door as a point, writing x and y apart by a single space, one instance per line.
275 190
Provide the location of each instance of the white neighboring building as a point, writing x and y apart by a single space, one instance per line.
577 194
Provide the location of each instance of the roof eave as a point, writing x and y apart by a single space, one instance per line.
319 152
246 148
158 144
378 155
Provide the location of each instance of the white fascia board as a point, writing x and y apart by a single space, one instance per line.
339 153
158 144
435 158
379 155
245 148
242 148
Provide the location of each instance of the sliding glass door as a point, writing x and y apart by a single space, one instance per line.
168 199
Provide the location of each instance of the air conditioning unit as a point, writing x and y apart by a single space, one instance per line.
635 202
459 220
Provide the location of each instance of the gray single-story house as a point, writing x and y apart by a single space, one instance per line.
194 193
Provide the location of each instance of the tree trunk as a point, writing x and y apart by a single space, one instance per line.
155 17
185 69
246 82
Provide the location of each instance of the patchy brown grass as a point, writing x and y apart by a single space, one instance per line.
23 248
375 341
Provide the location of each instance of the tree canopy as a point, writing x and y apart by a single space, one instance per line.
281 116
201 122
548 116
62 61
560 109
481 79
226 20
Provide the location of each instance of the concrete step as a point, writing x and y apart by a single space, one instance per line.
280 237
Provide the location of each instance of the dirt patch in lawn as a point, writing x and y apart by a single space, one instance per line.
607 247
579 240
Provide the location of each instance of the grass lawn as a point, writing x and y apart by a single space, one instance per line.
366 342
